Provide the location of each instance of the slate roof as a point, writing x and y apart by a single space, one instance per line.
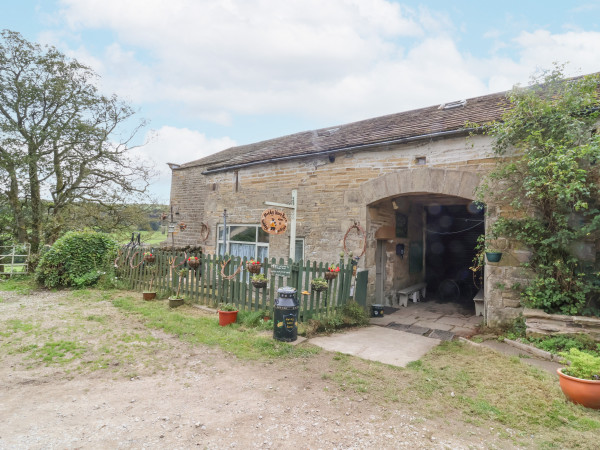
405 125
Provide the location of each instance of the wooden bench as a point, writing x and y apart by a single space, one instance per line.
416 292
478 299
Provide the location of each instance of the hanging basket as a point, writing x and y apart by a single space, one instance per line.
193 263
253 268
259 284
330 276
318 288
149 258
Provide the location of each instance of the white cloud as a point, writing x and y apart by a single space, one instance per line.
176 145
337 60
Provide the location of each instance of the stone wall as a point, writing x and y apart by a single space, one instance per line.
332 195
540 323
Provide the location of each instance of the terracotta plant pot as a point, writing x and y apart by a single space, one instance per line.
330 276
259 284
227 317
175 302
149 295
583 392
253 268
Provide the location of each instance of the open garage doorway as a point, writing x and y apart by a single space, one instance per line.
451 239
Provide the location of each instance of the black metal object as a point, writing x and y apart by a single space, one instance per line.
376 310
285 315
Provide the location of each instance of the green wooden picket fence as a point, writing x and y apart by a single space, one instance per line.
206 285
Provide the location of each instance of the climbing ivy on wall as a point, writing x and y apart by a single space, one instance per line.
546 182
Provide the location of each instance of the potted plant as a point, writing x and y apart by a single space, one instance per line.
259 280
485 249
193 262
580 381
253 266
149 257
176 301
318 284
150 294
332 272
227 313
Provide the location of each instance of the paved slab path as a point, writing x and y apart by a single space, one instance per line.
376 343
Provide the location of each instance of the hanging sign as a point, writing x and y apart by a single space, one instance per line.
273 221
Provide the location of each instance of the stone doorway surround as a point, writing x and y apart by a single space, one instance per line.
422 185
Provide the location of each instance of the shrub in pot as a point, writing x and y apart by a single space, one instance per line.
318 284
175 301
150 294
227 313
580 381
259 280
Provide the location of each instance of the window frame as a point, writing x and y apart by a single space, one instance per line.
256 243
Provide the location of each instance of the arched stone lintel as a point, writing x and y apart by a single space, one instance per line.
457 183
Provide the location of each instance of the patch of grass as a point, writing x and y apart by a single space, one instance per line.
242 342
93 318
22 285
59 352
498 390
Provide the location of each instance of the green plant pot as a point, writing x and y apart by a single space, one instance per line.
493 257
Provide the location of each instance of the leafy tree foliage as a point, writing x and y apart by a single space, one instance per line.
79 258
547 181
59 138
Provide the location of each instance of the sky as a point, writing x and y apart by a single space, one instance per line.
211 74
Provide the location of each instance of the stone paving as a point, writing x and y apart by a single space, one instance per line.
432 319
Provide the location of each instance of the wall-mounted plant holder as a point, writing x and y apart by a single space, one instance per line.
493 257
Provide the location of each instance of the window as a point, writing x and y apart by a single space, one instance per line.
244 240
299 251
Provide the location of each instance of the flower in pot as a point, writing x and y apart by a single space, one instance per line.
318 284
149 257
580 381
332 272
253 266
177 300
259 280
193 262
150 294
227 313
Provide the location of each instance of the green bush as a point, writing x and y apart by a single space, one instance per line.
351 315
79 259
565 342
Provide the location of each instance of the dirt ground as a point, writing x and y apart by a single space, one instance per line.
129 386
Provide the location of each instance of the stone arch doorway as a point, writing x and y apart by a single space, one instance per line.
401 251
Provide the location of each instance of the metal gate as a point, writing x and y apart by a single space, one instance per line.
14 259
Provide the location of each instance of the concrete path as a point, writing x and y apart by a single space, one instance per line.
374 343
524 356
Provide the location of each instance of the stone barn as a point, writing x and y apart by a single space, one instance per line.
406 180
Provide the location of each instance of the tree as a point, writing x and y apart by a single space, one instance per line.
60 137
547 185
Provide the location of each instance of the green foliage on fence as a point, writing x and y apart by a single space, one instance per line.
226 280
79 258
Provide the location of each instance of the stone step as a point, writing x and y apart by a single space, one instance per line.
423 331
